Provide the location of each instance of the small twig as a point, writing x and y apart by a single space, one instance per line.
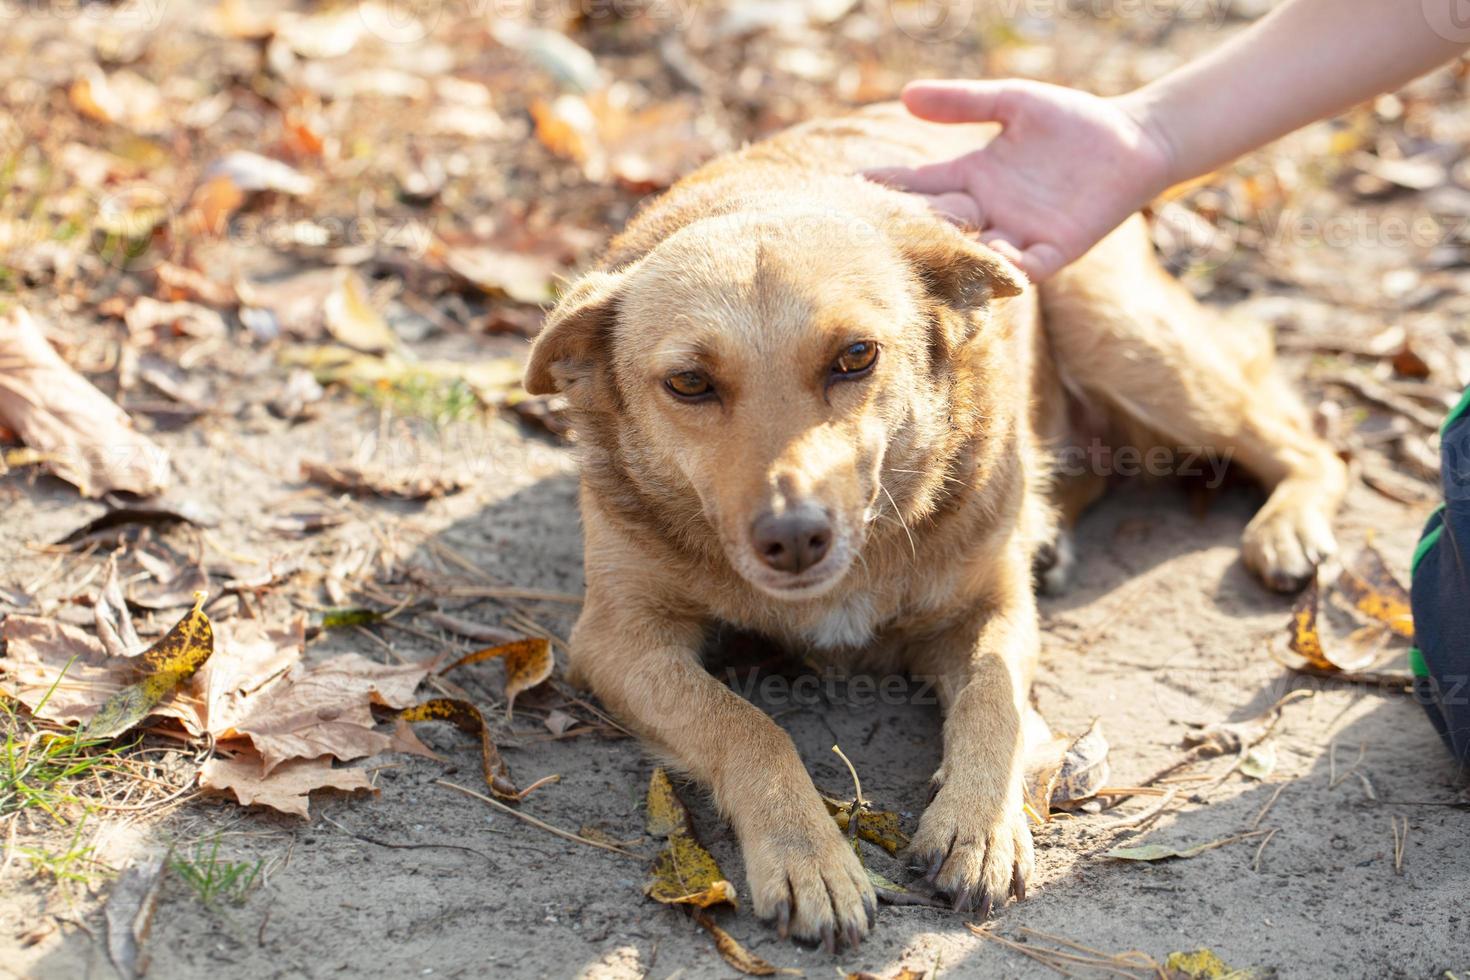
1400 840
1266 809
407 847
1144 816
1333 778
1256 864
564 834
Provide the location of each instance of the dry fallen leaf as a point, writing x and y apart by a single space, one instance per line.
129 915
87 440
1304 639
167 664
1374 592
527 663
735 954
467 718
284 788
1162 852
325 709
684 873
1063 772
351 318
412 485
879 827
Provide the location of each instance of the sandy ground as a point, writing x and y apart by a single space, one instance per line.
1164 629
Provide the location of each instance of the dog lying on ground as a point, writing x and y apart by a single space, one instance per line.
810 408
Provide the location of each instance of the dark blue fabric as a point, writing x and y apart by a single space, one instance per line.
1440 592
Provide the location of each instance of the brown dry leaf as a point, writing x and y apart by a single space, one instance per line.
43 656
284 787
110 615
684 873
523 276
179 318
1304 639
735 954
351 318
88 440
1373 591
167 664
528 662
250 655
467 718
359 480
325 709
123 98
1064 771
651 147
904 973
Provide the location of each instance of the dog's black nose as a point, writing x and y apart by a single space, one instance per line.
793 541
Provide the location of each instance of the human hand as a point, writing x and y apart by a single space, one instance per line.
1065 170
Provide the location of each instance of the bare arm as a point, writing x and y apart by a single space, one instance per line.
1068 167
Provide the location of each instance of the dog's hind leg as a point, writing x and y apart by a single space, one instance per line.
1133 341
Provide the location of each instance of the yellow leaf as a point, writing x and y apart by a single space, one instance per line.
1304 639
168 663
1374 592
737 955
667 814
527 663
351 319
879 827
466 717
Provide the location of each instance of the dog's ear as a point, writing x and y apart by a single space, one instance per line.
576 333
956 269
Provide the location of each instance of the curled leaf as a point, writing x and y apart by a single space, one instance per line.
1374 592
467 718
667 814
527 663
1304 638
735 954
167 664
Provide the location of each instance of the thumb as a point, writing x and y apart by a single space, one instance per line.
959 101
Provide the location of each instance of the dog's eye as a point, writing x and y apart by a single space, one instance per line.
857 359
689 385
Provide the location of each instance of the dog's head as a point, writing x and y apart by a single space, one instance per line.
775 361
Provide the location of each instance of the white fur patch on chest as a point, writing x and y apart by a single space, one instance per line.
848 625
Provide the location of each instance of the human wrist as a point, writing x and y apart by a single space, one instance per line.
1162 164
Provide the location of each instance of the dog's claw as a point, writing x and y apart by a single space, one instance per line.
829 940
985 904
961 902
1018 883
870 906
783 920
854 936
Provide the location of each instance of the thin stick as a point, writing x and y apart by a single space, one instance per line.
1400 841
1266 809
1144 816
1334 779
1256 864
858 803
564 834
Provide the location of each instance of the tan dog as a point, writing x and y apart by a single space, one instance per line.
812 409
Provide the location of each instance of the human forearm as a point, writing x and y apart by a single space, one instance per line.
1306 60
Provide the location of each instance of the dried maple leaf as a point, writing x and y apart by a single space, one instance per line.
284 788
87 440
527 663
57 671
167 664
325 709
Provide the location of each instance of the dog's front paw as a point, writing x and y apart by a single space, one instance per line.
1288 538
976 851
806 878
